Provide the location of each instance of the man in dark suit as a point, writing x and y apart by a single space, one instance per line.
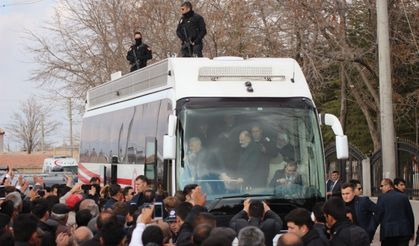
333 185
250 157
287 176
362 209
395 215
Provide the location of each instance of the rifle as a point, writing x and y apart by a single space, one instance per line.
137 64
188 42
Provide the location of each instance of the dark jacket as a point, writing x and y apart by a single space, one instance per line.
250 157
271 224
138 55
344 233
313 238
395 215
186 230
365 211
191 27
336 190
280 174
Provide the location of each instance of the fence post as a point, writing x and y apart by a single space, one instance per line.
366 177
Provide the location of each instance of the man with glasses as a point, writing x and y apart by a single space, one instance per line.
357 187
395 215
362 209
191 30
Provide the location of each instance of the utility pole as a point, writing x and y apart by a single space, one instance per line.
42 133
70 119
386 92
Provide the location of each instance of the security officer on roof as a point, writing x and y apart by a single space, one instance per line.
139 53
191 30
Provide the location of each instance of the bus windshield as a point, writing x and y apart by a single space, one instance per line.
272 150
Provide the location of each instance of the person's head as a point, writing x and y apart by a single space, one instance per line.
318 213
91 205
7 207
226 232
25 229
16 198
256 209
386 185
112 232
217 240
357 186
182 212
299 221
281 140
348 192
141 183
256 133
128 193
291 168
200 233
171 202
115 192
4 223
152 234
195 145
187 191
334 176
82 234
172 220
251 236
103 218
138 36
60 212
40 209
185 7
334 210
94 180
83 217
290 239
400 184
244 139
205 218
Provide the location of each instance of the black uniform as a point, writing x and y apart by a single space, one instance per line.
191 29
138 55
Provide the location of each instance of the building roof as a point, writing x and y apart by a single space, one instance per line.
22 160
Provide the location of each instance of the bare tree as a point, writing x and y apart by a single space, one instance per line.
333 40
30 124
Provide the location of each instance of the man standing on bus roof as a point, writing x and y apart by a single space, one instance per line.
191 30
139 53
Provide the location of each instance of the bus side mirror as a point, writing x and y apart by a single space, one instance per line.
169 147
342 147
169 140
341 139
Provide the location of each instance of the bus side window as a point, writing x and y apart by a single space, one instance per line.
150 167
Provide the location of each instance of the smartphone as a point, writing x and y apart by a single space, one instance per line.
158 210
85 187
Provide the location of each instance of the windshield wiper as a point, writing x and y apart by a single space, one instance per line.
243 196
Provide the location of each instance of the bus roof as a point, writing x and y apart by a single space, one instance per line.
204 77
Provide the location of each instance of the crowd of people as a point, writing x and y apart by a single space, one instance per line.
93 214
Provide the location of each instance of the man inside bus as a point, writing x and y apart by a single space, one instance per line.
199 163
250 157
287 176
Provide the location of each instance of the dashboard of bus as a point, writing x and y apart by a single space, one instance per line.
253 147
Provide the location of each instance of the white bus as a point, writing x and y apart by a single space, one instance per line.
229 124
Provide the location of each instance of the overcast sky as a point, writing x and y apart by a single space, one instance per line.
16 16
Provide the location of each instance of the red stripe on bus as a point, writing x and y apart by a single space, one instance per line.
87 171
124 181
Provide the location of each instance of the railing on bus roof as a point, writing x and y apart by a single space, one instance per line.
142 80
